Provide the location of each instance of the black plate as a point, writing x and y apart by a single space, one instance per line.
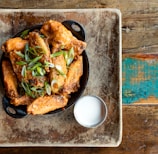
78 31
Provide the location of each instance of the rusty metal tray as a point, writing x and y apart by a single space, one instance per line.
103 36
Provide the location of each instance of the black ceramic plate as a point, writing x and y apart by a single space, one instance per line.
78 31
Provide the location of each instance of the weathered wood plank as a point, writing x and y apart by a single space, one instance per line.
140 78
139 136
140 33
59 4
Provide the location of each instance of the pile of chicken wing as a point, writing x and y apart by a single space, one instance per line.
43 67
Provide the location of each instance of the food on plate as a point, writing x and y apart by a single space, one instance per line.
58 36
43 67
10 81
47 103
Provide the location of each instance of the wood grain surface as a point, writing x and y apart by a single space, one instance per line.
140 33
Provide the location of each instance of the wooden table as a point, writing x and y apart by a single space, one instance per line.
140 32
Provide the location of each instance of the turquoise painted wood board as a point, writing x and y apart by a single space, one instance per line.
140 79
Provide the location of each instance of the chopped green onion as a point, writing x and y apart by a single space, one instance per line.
59 69
41 71
42 36
34 73
26 87
66 55
71 56
34 89
48 88
24 33
71 52
56 54
33 61
23 84
54 85
69 61
21 63
33 51
20 54
27 58
38 64
48 64
53 82
62 47
23 72
37 47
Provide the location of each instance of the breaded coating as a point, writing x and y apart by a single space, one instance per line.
73 76
59 36
14 44
36 41
10 81
57 76
16 68
46 104
23 100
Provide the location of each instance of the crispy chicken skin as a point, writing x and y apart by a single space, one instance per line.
17 68
46 104
59 36
34 81
73 76
55 75
23 100
10 81
36 40
12 44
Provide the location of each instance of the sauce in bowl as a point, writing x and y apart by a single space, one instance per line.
90 111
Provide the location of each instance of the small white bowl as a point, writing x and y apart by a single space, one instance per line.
90 111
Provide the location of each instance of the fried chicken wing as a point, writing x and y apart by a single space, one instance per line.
10 81
42 46
73 76
46 104
16 68
34 81
58 76
59 36
23 100
12 44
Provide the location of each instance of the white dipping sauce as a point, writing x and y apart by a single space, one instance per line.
90 111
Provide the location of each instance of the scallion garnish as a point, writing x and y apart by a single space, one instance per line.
48 64
42 36
41 71
48 88
21 63
33 51
33 61
71 56
20 54
56 54
27 89
23 71
59 69
38 64
54 85
34 73
24 33
27 58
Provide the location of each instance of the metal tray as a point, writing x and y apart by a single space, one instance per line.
103 36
